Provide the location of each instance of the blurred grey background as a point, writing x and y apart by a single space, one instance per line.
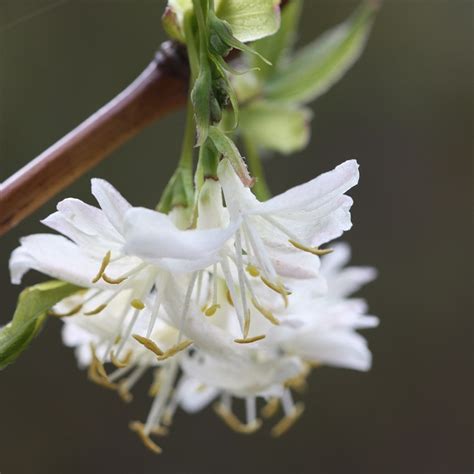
405 112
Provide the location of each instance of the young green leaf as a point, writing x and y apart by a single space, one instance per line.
322 63
29 317
250 20
275 126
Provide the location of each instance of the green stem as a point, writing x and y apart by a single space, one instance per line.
260 188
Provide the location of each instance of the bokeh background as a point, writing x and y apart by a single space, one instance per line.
404 111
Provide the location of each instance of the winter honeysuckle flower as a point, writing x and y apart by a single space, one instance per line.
107 249
279 238
318 328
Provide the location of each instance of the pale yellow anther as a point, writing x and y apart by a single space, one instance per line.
104 264
124 392
97 373
139 428
137 304
211 311
113 281
299 383
288 421
270 408
72 312
253 270
247 325
121 363
160 430
229 297
313 250
278 288
155 386
175 349
149 344
234 423
167 418
95 311
249 340
265 312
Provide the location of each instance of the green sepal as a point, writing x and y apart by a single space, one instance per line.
323 62
30 316
227 148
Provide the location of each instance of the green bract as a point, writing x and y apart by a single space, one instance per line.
320 64
273 117
30 315
249 19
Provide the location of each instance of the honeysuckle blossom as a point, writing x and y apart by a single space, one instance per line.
318 328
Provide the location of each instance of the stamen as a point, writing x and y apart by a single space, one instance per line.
95 311
104 264
233 293
181 346
270 408
113 281
240 273
155 386
313 250
265 312
211 311
139 428
229 297
299 383
250 339
149 344
288 421
253 270
278 288
233 422
137 304
120 364
72 312
126 385
116 374
96 372
247 325
154 315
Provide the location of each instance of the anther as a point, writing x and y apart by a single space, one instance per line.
104 264
253 270
139 428
249 340
121 363
288 421
278 289
175 349
149 344
137 304
95 311
124 392
270 408
233 422
113 281
313 250
211 311
72 312
265 312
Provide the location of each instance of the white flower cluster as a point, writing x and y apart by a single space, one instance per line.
240 306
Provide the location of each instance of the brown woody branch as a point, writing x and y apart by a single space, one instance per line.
160 89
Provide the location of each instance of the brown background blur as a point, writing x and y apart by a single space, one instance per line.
405 112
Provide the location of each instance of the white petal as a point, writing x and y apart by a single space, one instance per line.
55 256
340 348
88 219
152 236
238 198
111 201
315 193
194 396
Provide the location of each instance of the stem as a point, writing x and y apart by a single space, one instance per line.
260 188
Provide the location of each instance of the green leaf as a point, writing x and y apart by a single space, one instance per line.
275 47
29 317
250 20
322 63
276 126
